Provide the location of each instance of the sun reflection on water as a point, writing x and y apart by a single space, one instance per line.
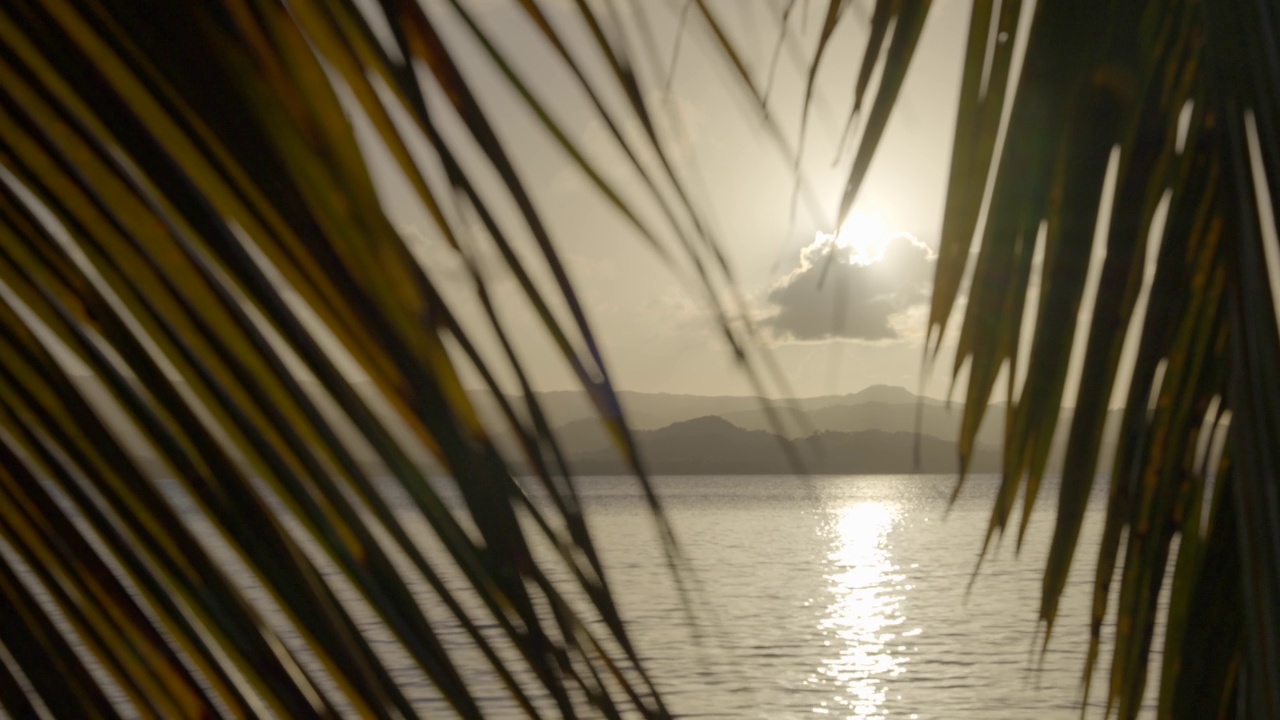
863 618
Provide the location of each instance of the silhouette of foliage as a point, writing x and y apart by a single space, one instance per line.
189 231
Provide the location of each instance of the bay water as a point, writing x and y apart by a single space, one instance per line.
849 597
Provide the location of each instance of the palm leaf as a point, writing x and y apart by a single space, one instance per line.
177 181
1112 80
172 177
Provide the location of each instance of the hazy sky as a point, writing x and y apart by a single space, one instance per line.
831 327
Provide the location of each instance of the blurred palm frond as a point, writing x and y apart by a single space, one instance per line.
190 232
1175 106
189 228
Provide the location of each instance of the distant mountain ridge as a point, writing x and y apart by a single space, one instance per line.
870 431
713 445
650 411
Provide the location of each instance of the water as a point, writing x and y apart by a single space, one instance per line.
846 597
831 596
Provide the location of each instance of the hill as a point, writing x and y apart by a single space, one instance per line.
714 446
871 431
880 408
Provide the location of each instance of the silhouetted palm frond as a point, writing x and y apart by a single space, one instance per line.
1179 103
189 230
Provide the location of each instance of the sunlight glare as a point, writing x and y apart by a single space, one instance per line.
864 614
865 234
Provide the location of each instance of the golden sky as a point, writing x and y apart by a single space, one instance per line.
862 325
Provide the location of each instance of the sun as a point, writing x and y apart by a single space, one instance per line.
865 234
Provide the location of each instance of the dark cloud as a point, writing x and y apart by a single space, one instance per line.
839 292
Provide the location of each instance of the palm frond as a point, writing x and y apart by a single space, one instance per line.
1180 100
188 225
177 182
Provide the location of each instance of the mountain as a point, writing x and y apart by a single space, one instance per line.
650 411
713 445
888 394
879 408
936 419
870 431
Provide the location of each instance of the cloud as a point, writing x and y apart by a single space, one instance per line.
845 291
